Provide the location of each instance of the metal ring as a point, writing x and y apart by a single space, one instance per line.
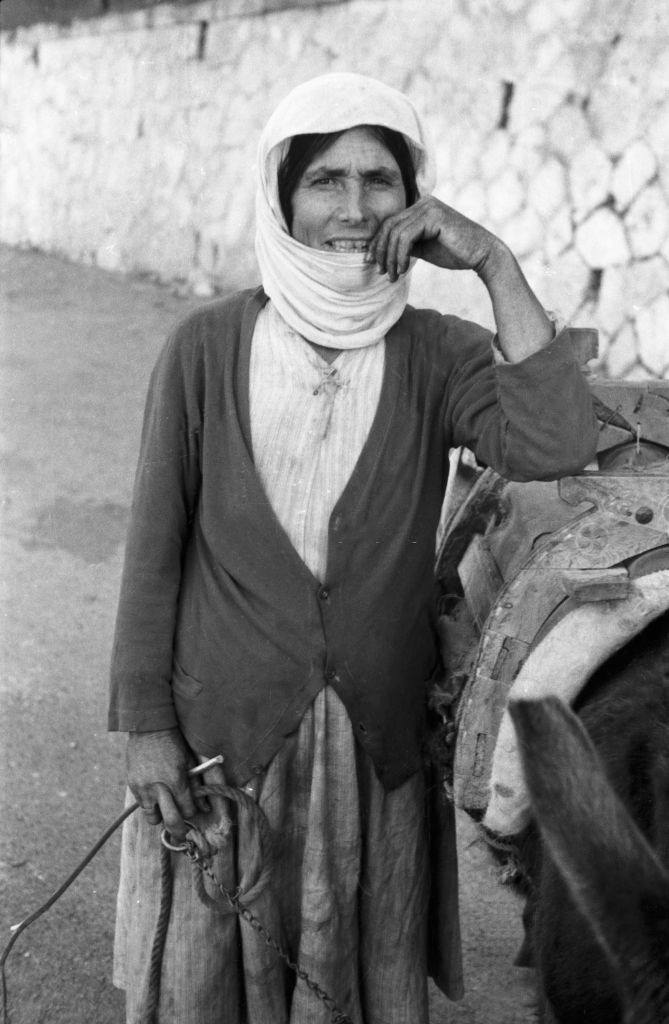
182 847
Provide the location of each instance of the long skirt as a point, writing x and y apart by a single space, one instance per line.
347 898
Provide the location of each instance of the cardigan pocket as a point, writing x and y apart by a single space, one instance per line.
185 686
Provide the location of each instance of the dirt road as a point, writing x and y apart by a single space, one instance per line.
78 346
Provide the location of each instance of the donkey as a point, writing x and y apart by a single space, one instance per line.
600 795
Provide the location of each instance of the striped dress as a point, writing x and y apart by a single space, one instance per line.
349 885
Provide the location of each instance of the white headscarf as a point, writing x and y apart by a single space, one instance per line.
335 299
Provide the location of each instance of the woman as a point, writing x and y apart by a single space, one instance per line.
277 603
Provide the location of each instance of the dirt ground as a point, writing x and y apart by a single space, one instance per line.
78 345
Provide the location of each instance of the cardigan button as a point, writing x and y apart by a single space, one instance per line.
331 675
324 593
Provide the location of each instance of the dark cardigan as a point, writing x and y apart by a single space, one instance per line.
221 627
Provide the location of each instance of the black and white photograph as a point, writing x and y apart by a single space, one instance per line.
334 474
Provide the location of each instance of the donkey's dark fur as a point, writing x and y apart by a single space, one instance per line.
600 929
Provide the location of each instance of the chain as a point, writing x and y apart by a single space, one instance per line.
193 853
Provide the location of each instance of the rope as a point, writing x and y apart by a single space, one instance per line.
250 892
337 1015
159 938
21 927
200 866
262 853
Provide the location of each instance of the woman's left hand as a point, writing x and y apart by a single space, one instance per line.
432 231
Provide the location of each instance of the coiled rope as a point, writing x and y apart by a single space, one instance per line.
193 848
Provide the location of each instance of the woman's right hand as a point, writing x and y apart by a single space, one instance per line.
157 764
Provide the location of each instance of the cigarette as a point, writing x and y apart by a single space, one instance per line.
219 759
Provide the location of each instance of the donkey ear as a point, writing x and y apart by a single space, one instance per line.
605 861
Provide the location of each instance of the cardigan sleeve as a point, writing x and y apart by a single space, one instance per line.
531 420
165 492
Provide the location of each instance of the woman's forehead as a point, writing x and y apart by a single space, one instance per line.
359 145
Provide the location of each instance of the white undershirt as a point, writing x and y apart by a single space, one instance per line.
309 423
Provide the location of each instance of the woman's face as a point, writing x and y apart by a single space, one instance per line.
346 193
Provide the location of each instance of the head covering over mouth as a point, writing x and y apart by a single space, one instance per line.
336 299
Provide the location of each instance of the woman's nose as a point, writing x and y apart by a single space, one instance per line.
353 207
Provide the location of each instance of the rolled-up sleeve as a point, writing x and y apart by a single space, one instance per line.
531 420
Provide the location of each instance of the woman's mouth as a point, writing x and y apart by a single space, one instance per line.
347 244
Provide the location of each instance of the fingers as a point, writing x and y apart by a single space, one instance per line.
183 797
431 231
152 814
382 249
175 810
157 764
392 246
172 807
401 243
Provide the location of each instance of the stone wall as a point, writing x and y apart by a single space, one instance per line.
129 140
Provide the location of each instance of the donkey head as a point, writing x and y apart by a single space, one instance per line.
615 878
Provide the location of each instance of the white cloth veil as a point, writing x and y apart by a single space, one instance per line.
335 299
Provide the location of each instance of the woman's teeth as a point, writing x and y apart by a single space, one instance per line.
348 245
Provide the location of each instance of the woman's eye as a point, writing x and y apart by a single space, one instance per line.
323 182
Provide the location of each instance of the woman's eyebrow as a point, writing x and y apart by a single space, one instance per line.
323 171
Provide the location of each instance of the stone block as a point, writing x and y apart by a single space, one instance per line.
616 114
453 292
627 289
658 134
601 239
528 151
651 328
647 222
54 55
542 17
589 179
459 152
524 232
494 155
206 125
239 222
565 284
559 234
612 307
635 169
165 47
471 201
664 252
622 352
476 104
170 169
638 372
226 38
540 96
646 280
546 188
505 196
568 131
109 255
